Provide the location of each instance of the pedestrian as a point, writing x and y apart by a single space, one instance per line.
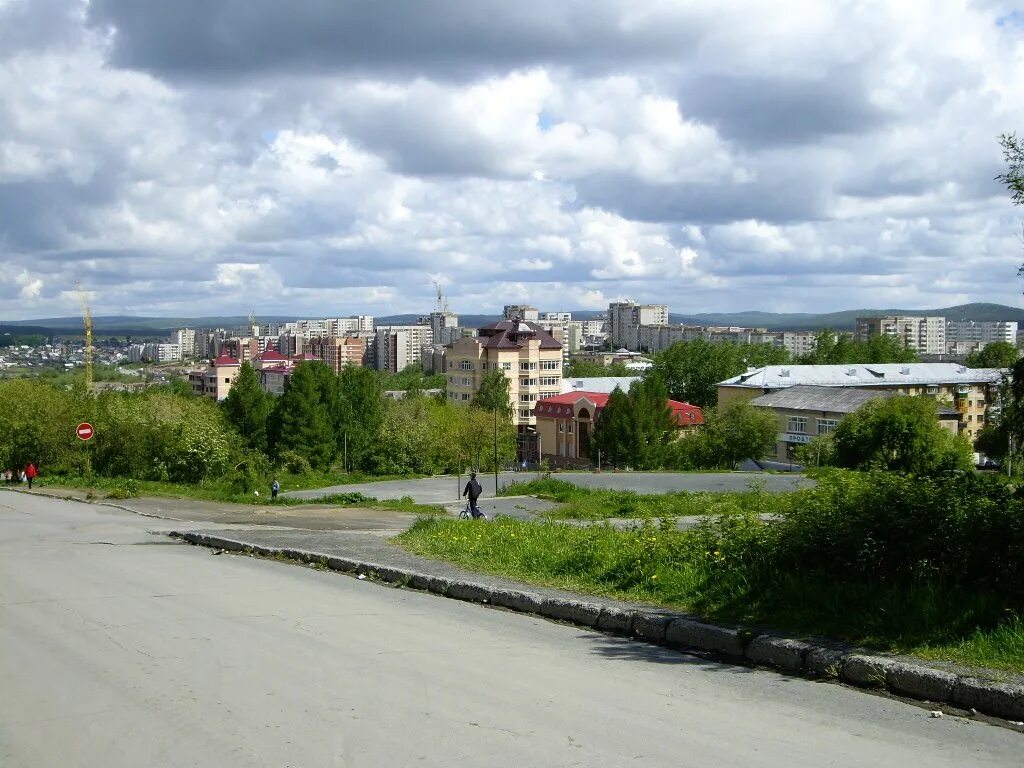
473 490
22 477
8 476
274 488
30 473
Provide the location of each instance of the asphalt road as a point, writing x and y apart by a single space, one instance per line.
121 648
446 489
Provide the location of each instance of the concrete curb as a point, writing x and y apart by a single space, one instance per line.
682 632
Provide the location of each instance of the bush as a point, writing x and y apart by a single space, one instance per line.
126 489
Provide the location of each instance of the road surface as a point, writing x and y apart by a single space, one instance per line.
123 648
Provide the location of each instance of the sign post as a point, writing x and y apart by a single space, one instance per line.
85 431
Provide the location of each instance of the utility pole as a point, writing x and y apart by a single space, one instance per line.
346 453
495 451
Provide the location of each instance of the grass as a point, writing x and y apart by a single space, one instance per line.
679 569
116 487
601 503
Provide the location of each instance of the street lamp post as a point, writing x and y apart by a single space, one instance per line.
495 451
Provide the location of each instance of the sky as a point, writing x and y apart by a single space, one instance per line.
325 158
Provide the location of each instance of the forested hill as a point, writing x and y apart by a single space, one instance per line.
139 326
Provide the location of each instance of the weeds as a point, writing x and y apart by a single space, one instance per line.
927 566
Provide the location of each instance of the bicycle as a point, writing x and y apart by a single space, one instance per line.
467 513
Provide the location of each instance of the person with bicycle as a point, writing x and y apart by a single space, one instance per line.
473 491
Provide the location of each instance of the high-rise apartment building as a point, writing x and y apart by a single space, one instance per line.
521 312
523 351
399 346
980 332
444 326
186 339
925 335
338 351
626 317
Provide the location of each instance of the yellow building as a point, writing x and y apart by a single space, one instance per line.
805 412
970 391
215 382
523 351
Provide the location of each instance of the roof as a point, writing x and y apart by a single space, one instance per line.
598 383
276 369
270 354
304 356
225 360
871 375
803 397
563 404
510 334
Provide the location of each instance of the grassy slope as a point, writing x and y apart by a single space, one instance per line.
666 567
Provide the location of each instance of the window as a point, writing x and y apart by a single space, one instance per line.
466 365
561 426
527 366
797 424
506 366
465 396
569 430
548 381
526 397
227 380
524 413
525 382
465 381
827 426
550 365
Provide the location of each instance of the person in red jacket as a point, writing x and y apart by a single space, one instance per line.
30 473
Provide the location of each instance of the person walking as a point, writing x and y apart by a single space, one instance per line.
30 474
473 491
274 488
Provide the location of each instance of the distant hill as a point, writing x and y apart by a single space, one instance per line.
122 325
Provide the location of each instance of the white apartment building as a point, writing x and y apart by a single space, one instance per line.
926 335
626 317
979 333
563 317
399 346
444 325
800 343
186 339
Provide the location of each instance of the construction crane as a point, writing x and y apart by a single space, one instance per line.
442 304
87 319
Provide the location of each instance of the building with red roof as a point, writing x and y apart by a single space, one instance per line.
215 381
565 422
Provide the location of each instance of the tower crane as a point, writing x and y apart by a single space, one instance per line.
87 320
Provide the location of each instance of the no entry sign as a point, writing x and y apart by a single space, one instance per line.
85 431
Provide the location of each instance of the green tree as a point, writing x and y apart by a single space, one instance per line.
358 414
900 434
733 433
615 431
581 369
247 408
691 370
304 416
493 394
653 425
998 354
760 355
881 349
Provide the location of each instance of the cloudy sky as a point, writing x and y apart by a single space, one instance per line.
324 157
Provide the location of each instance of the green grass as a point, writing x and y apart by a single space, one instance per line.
600 503
682 570
115 487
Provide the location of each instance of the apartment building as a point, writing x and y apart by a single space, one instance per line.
521 312
399 346
800 343
186 339
522 350
215 380
444 326
972 392
925 335
976 334
626 317
338 351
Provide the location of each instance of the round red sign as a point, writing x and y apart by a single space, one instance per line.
85 431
